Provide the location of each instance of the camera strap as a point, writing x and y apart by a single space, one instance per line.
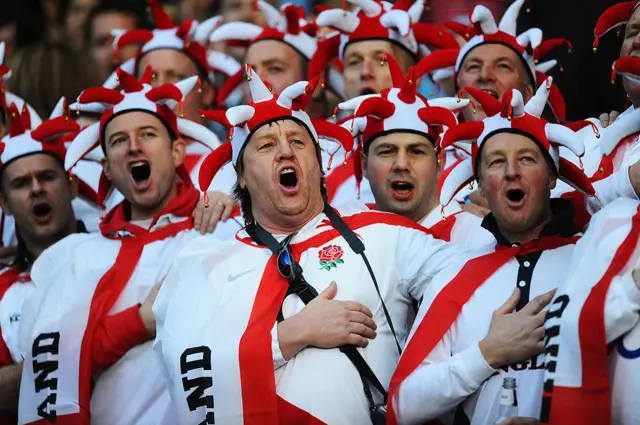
307 293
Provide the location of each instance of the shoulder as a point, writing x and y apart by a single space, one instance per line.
363 217
204 245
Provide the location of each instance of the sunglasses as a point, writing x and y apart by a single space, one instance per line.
286 261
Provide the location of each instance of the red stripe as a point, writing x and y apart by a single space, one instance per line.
590 404
293 415
191 160
259 401
443 228
448 304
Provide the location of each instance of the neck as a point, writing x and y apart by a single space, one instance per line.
516 236
421 216
285 225
37 246
138 214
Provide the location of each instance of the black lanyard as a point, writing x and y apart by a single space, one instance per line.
307 293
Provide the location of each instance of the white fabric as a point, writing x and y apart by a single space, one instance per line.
196 300
11 312
456 372
592 256
467 230
129 392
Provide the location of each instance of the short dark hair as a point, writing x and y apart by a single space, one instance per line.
132 8
244 198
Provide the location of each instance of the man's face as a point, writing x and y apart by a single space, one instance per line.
402 169
171 66
516 180
276 63
363 72
495 69
281 172
141 161
37 192
100 47
631 47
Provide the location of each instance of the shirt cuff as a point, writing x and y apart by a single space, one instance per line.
473 367
278 359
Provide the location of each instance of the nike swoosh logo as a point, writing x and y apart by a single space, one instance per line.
231 278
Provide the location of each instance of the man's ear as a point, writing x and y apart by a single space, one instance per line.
363 165
73 186
179 152
441 162
529 92
208 95
553 180
105 167
4 204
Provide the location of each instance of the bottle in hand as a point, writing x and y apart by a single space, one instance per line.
508 400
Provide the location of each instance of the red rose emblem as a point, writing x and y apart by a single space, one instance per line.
330 253
330 257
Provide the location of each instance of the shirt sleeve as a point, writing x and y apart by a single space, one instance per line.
617 185
116 335
621 308
443 378
278 358
420 256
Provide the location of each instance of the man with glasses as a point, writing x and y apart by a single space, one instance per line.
229 313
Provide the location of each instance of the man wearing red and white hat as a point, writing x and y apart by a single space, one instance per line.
7 224
83 282
279 52
400 156
369 32
496 59
36 191
176 52
467 336
332 277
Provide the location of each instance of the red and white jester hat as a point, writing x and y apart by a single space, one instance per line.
134 96
378 20
190 37
529 46
266 107
400 109
48 137
614 17
287 25
513 116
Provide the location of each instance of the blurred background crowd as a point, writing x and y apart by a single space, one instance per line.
60 47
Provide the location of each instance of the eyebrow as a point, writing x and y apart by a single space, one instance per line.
275 61
38 173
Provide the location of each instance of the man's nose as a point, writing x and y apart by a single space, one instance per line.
284 149
366 73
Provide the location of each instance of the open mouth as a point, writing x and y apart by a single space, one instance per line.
367 91
515 195
41 210
288 178
401 189
140 171
491 92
